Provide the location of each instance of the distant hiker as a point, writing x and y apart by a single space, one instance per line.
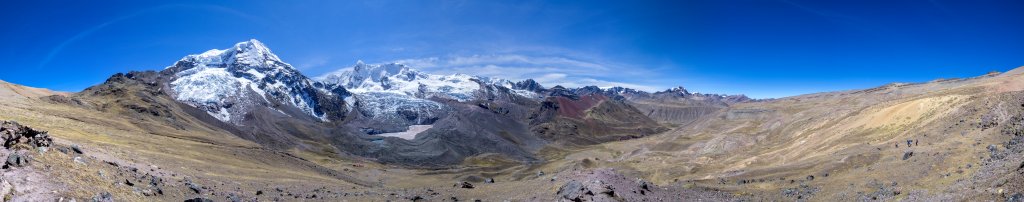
916 141
909 142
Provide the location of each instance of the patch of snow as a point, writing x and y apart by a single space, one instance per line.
221 115
408 134
211 53
203 85
259 75
527 94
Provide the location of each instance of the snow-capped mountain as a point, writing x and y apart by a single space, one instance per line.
400 79
396 78
395 94
229 83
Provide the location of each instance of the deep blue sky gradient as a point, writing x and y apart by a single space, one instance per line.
762 48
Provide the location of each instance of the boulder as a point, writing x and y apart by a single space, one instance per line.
16 160
572 191
200 199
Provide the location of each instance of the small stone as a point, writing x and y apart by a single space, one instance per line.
234 198
63 150
194 187
76 149
466 185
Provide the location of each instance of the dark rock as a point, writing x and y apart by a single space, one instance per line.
907 155
810 177
76 149
198 200
128 182
489 180
259 192
155 181
466 185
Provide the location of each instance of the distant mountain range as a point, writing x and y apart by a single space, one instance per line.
257 96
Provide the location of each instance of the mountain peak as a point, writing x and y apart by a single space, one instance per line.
677 90
229 83
253 52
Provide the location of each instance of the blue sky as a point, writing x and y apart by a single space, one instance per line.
762 48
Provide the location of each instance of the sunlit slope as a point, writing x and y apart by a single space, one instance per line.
848 141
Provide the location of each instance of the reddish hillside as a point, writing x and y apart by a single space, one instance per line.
577 108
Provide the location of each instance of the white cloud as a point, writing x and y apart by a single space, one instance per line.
312 62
